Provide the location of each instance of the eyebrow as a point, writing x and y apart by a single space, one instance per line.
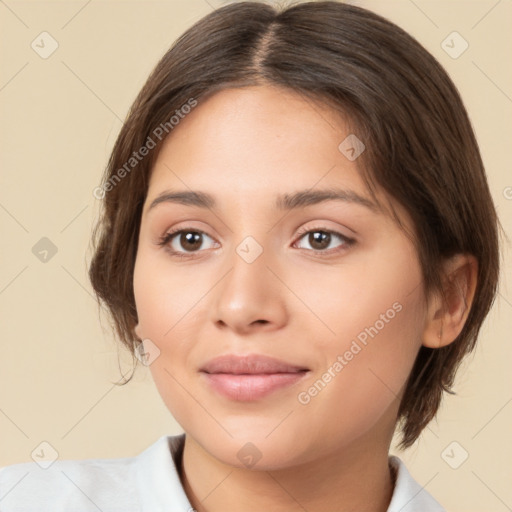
293 201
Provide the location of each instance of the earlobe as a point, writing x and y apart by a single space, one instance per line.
447 315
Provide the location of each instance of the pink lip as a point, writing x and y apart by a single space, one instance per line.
247 378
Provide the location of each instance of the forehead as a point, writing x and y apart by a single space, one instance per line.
258 144
249 136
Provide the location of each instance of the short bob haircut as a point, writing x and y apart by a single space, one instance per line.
420 150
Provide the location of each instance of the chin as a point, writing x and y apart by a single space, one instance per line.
256 449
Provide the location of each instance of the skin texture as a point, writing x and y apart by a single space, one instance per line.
246 146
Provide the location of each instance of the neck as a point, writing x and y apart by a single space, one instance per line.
348 480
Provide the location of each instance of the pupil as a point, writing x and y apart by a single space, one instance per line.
192 239
317 237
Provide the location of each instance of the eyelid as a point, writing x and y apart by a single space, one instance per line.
181 226
322 227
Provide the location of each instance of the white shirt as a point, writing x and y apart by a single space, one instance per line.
147 482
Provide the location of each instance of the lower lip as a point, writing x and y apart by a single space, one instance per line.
245 387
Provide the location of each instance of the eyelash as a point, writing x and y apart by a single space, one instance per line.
167 237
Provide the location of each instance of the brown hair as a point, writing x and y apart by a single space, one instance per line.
420 149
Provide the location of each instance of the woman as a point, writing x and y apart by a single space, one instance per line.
299 240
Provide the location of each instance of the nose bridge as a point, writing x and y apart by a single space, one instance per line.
251 248
249 274
249 291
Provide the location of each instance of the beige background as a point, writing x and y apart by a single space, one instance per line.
60 117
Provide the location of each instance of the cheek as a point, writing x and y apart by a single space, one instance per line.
377 322
370 369
374 296
169 309
172 387
166 298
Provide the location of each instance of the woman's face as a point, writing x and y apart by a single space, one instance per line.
330 288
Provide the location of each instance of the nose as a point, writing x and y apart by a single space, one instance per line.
250 296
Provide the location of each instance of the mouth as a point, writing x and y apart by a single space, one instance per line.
249 378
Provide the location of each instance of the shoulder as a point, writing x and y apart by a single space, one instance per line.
89 484
122 484
409 495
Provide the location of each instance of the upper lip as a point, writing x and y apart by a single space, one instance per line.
249 364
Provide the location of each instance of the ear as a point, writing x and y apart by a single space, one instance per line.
446 317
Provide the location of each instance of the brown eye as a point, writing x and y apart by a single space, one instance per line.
183 242
190 240
320 239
